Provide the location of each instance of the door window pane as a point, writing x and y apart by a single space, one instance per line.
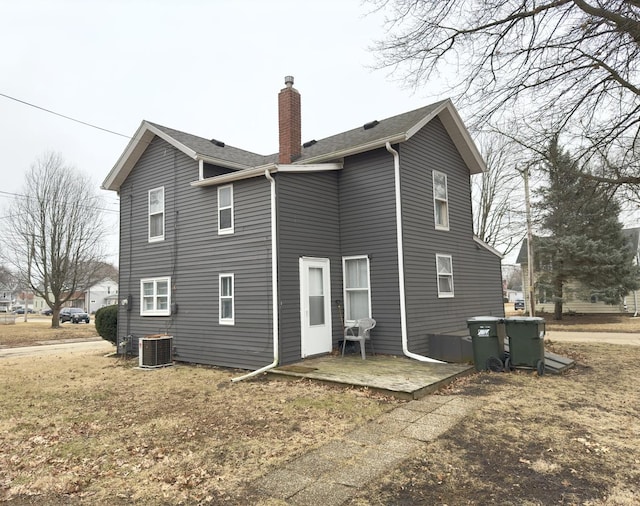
316 296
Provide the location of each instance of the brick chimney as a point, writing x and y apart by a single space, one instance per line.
289 119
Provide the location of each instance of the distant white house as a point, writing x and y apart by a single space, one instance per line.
103 293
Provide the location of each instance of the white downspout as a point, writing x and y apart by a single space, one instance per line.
274 286
403 309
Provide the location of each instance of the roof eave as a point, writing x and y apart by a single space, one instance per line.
354 150
222 163
259 171
487 247
132 153
459 134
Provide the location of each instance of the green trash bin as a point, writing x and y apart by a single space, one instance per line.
487 340
526 342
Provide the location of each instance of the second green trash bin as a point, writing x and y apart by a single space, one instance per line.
526 342
487 339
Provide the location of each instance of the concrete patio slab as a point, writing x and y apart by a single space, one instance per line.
399 376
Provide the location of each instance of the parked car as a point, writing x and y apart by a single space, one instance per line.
518 304
47 311
20 310
73 315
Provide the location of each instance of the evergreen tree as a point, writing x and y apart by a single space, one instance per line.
583 236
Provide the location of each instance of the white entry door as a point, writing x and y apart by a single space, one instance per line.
315 306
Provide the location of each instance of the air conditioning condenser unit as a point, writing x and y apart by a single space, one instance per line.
155 351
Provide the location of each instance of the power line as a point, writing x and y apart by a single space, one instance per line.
64 116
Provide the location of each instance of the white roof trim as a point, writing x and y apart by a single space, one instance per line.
487 247
132 153
310 167
137 145
259 171
461 138
452 123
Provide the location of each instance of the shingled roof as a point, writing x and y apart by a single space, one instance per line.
372 135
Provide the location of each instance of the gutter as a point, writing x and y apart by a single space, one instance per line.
274 286
403 307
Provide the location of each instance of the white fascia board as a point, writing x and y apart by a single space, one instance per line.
259 171
132 153
459 135
310 167
178 145
235 176
487 247
378 143
128 158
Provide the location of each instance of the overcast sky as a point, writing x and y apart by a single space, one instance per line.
211 68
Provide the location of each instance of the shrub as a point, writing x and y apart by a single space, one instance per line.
107 323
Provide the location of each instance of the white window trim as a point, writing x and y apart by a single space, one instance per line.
155 311
159 237
436 200
344 284
232 320
229 230
441 294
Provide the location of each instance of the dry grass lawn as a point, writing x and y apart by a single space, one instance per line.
93 429
90 429
37 329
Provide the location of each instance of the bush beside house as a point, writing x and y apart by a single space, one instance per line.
107 323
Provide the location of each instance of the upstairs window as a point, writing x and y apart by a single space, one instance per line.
156 214
155 297
226 305
225 209
440 200
444 265
357 295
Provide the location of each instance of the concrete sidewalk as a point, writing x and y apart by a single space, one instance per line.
333 473
629 338
66 346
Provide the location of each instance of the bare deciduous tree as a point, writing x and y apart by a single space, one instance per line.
552 66
54 232
497 197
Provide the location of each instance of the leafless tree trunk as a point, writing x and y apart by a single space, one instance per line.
54 232
567 66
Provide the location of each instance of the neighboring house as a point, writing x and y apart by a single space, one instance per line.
577 297
104 293
6 296
251 260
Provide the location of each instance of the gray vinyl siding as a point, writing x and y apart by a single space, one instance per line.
308 225
193 255
476 271
368 227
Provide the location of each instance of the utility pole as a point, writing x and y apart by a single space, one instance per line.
530 280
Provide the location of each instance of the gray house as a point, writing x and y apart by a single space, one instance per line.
251 260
